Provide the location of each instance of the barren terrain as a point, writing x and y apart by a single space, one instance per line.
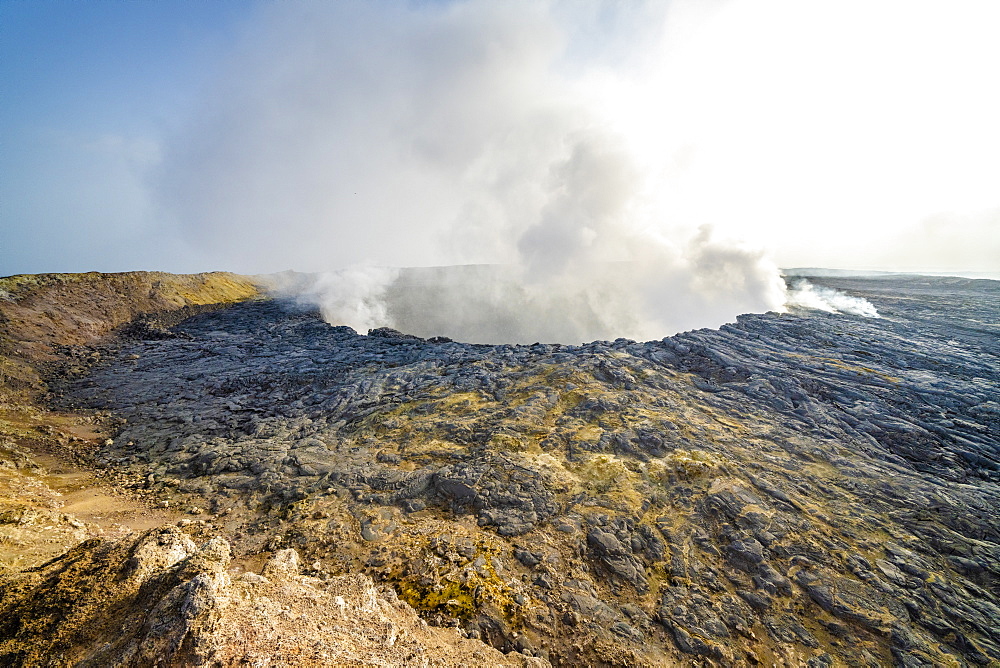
792 489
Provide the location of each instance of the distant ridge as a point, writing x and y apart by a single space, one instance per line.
873 273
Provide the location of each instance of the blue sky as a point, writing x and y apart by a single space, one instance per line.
89 89
255 137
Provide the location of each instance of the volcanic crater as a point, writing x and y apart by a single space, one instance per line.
791 489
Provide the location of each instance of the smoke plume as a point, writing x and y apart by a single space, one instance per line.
578 296
803 294
345 138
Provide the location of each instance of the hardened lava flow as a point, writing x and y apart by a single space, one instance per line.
792 489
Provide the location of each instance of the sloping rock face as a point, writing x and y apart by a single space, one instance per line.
45 318
40 311
792 489
158 599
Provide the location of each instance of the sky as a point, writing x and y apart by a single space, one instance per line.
315 136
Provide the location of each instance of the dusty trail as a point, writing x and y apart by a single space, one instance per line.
53 503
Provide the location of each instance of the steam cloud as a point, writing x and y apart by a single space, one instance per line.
804 294
459 138
662 292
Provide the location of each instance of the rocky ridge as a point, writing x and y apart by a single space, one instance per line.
791 489
156 598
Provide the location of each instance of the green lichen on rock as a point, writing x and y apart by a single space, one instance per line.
458 576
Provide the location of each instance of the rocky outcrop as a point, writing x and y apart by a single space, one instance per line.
159 599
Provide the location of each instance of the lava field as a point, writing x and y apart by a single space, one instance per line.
803 488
